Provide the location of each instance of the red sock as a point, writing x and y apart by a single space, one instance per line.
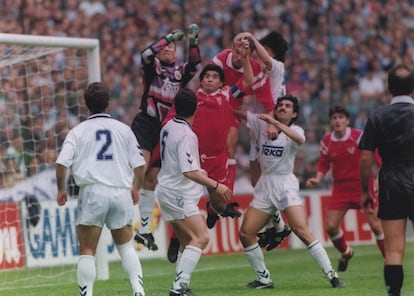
380 244
339 242
210 209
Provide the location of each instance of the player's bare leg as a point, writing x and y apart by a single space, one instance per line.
193 236
253 221
296 218
333 221
376 227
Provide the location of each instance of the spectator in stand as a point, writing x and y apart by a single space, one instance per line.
371 88
339 153
164 76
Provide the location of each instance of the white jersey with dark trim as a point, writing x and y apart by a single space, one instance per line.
276 157
95 151
179 154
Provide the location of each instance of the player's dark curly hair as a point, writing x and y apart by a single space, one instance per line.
211 67
400 80
185 102
338 109
277 44
96 97
295 102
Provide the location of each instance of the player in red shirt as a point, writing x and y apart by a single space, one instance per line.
339 153
230 60
212 122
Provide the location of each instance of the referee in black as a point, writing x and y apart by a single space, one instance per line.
391 130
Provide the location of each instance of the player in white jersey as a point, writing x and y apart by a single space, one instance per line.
180 188
271 51
108 166
278 188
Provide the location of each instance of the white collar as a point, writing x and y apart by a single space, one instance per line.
402 99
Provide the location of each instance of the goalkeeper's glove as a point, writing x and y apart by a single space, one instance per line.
193 31
175 35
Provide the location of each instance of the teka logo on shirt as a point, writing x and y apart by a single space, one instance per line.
275 151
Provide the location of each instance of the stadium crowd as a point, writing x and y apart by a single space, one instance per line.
339 51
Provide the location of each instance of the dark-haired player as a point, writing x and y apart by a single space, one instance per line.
271 51
390 130
339 154
230 61
212 121
163 76
278 188
179 188
108 166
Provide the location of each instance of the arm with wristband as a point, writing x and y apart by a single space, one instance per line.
151 51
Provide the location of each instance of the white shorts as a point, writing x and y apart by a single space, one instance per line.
176 206
278 192
99 204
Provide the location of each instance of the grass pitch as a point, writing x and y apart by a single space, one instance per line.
294 273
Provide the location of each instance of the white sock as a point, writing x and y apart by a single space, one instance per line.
277 221
185 267
132 266
146 207
256 259
86 274
179 254
321 257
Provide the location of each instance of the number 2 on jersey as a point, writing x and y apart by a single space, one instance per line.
106 137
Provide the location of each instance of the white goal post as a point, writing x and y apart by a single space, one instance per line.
94 69
33 49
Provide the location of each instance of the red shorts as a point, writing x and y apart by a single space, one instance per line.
347 195
215 166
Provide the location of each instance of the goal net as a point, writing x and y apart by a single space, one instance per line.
41 98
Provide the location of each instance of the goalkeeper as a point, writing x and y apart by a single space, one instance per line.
163 77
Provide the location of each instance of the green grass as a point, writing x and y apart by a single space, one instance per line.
293 271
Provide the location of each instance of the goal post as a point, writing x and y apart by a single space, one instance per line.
42 79
92 45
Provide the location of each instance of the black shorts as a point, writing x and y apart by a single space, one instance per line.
396 191
147 130
395 206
